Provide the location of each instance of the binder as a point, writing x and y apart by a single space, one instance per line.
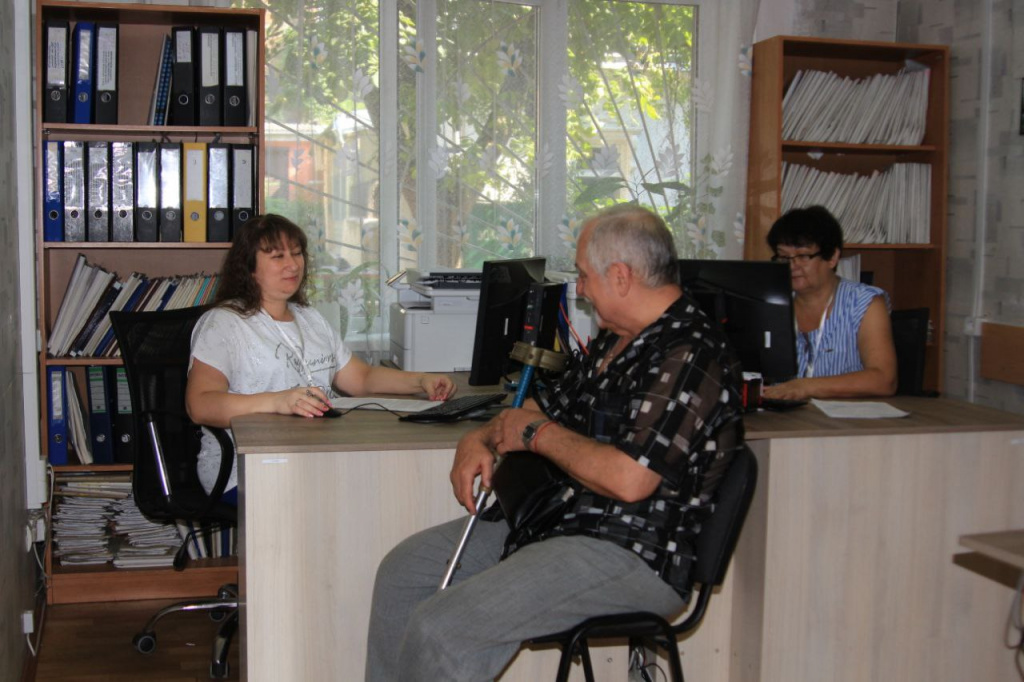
122 425
122 191
162 87
170 192
209 76
82 62
100 423
97 200
183 77
243 204
107 53
194 184
218 214
147 191
251 49
55 107
56 419
236 102
53 191
74 191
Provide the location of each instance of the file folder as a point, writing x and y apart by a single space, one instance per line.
236 103
194 183
218 214
122 191
147 192
55 100
162 89
53 191
100 423
170 192
105 105
74 191
56 419
209 76
121 416
243 195
97 200
183 77
84 42
251 49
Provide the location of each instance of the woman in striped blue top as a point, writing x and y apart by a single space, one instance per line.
844 336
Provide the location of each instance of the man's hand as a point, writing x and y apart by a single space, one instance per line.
473 458
507 429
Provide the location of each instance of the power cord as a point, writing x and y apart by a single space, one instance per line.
46 516
1015 627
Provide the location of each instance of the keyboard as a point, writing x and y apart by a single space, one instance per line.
455 409
780 404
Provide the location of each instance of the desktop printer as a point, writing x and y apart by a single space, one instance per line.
433 324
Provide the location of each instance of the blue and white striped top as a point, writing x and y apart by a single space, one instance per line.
837 352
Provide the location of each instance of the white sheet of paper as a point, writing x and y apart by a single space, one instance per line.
843 409
393 404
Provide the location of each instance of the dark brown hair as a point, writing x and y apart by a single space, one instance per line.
238 289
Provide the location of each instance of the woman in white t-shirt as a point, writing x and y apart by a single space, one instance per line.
263 349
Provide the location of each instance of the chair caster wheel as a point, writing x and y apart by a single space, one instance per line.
219 671
145 642
217 615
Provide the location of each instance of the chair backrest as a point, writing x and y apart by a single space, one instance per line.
910 336
720 531
156 347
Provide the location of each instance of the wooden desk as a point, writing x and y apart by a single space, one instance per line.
1006 546
842 573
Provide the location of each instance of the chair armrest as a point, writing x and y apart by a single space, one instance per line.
227 460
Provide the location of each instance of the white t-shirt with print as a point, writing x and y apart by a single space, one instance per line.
258 354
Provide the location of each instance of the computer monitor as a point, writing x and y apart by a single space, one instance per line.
753 302
504 287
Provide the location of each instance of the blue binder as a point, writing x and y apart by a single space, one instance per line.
100 422
56 416
82 64
53 191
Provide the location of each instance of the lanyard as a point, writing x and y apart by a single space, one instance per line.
299 352
809 371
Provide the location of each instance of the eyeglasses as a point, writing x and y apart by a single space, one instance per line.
799 259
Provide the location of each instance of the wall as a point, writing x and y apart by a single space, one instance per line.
16 567
985 274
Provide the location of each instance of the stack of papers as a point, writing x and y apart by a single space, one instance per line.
892 207
842 409
889 109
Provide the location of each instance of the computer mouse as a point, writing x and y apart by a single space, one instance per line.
332 412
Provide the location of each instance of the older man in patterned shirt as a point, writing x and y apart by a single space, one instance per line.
644 425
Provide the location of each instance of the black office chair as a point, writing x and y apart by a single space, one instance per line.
156 348
910 336
714 547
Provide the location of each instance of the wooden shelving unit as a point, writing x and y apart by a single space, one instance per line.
142 28
913 274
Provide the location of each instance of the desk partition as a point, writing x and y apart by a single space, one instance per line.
843 572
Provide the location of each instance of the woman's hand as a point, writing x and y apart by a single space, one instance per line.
437 386
305 401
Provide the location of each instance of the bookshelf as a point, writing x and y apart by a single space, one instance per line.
914 275
141 33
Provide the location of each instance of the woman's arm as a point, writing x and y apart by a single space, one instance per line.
359 378
208 401
877 354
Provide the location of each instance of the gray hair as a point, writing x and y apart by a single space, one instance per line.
637 237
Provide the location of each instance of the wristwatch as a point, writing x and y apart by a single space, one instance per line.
530 432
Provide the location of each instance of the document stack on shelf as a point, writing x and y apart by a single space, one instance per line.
141 543
892 207
83 514
82 327
888 109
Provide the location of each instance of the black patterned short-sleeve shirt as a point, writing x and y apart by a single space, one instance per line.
670 400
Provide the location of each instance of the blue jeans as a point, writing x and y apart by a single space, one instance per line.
473 629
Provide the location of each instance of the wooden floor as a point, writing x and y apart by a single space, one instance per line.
93 642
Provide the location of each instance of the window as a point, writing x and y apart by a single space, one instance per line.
442 133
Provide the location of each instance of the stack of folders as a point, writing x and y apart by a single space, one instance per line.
82 516
139 542
90 425
205 76
891 207
889 109
120 191
82 326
